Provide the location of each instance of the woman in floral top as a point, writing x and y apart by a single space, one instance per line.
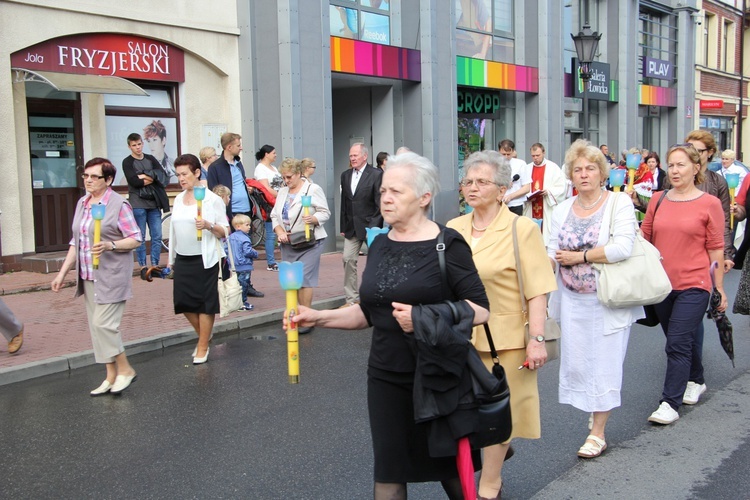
594 337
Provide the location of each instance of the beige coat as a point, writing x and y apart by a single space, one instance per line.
495 261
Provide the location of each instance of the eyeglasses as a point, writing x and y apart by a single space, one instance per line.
688 145
93 177
479 182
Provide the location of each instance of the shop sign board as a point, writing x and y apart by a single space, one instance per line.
712 104
598 86
658 68
105 54
478 103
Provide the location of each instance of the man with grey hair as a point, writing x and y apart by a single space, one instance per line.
360 209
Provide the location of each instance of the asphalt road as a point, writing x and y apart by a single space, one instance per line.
235 428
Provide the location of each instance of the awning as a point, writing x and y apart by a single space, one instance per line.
69 82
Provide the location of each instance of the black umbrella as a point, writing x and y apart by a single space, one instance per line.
722 322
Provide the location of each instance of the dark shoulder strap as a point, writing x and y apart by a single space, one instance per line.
653 218
661 198
440 247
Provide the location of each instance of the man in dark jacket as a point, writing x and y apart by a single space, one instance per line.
147 195
360 209
228 171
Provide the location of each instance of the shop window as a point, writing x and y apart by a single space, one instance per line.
154 117
483 126
728 44
710 41
484 29
366 20
658 40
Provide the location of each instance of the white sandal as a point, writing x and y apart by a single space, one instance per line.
593 447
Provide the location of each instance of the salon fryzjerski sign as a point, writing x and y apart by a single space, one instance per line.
105 54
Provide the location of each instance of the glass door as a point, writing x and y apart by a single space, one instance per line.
54 141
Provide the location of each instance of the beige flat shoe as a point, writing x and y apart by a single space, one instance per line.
593 447
15 343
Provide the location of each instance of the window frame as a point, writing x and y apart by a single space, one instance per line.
357 5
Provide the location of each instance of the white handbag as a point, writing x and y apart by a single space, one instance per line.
230 290
639 280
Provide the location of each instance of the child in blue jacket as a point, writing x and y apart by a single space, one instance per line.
244 254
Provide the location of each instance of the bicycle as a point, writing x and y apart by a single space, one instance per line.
166 222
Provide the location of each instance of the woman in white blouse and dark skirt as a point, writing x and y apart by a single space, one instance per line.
196 263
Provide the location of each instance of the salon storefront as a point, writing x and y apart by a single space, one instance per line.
74 94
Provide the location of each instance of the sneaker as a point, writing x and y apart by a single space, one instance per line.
273 267
665 414
247 307
254 293
693 393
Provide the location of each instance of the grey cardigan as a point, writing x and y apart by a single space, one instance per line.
113 281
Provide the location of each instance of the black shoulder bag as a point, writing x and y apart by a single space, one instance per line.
494 423
651 318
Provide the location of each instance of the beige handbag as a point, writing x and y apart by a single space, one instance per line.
551 328
230 290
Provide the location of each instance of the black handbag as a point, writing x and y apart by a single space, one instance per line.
298 239
494 421
493 418
146 193
651 318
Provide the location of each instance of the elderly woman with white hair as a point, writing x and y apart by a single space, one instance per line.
402 271
489 231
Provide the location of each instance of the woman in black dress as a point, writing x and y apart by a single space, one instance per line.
402 270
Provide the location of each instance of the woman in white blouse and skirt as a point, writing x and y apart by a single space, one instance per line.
594 337
196 263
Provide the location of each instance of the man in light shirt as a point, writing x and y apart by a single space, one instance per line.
548 187
515 196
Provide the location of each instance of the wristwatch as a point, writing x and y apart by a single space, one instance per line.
114 247
538 338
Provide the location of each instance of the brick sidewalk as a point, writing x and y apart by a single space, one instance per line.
56 330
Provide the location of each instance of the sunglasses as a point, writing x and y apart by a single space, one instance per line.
688 145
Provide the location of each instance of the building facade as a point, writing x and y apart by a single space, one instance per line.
80 77
311 78
722 72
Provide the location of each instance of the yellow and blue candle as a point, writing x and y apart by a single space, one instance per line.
97 213
291 276
616 179
733 180
306 204
632 161
199 192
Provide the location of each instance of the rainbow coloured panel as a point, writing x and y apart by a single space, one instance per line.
374 59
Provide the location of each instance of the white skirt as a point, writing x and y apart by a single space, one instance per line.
590 361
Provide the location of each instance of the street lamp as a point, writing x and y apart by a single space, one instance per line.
586 42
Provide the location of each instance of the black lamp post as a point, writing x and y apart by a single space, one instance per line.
586 42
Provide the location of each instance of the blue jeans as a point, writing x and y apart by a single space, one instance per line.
152 216
680 314
244 278
270 243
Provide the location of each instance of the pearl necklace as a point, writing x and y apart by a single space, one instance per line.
480 230
589 207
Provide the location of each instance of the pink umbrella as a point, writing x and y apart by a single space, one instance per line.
466 468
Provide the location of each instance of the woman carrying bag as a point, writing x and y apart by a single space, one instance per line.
289 220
